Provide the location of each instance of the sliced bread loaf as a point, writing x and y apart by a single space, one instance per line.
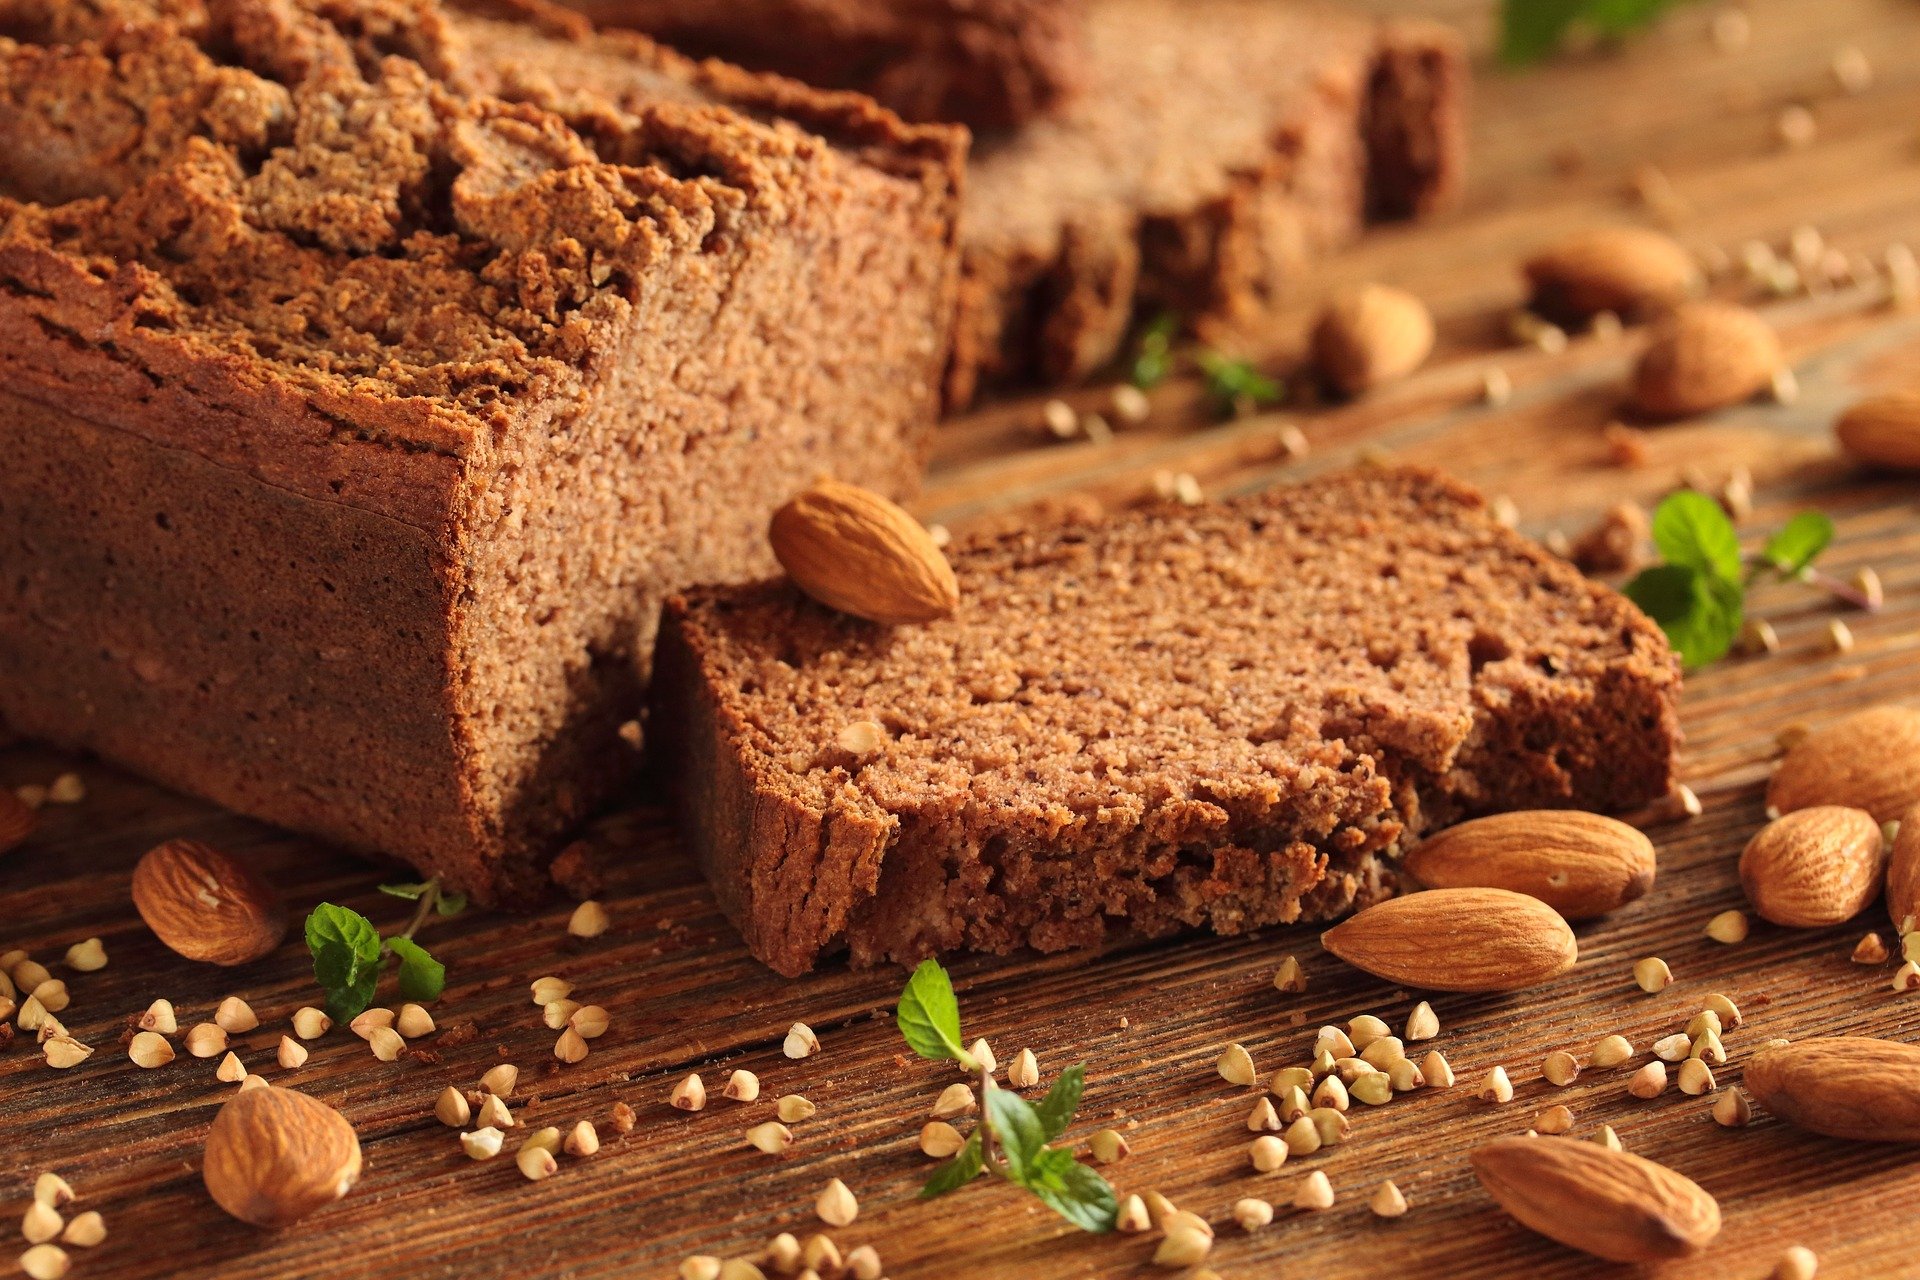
1226 716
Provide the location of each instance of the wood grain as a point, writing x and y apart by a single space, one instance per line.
1553 149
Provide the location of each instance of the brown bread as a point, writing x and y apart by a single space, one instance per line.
369 378
1229 716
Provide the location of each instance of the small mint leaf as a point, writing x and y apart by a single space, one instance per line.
1797 544
1700 613
1233 382
1018 1130
450 904
1057 1108
1153 352
411 892
1692 529
957 1172
1073 1191
929 1015
421 976
346 958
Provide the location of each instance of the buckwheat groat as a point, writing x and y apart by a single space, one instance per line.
1226 716
363 397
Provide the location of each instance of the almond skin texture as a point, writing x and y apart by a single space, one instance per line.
1843 1086
275 1155
1705 356
1611 1204
1457 940
1903 870
854 551
17 820
1866 761
1815 866
1631 270
1580 864
205 906
1883 431
1373 335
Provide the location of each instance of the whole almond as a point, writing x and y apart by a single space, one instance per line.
206 906
1903 871
1457 940
1611 1204
1702 357
1372 335
276 1155
1843 1086
1883 431
1631 270
854 551
1870 760
17 820
1580 864
1815 866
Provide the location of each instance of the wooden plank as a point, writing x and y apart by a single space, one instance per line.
1147 1019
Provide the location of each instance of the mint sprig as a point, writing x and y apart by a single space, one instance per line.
348 951
1698 595
1153 356
1234 386
1013 1136
1532 29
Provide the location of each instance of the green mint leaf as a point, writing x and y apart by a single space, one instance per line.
929 1015
1153 351
411 892
346 958
1073 1191
957 1172
1532 29
450 904
1018 1130
421 976
1692 529
1232 382
1794 548
1700 613
1057 1108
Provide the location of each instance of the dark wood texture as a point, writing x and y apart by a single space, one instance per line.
1553 149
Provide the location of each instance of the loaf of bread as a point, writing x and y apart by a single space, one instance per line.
1218 149
367 380
1227 716
989 64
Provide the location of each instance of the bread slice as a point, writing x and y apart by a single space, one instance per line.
989 64
1219 147
363 394
1226 716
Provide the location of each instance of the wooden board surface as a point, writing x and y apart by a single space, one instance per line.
1553 149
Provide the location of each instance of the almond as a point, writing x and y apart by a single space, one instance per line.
1883 431
1371 336
1457 940
276 1155
1843 1086
1903 871
205 906
17 820
1580 864
1865 761
854 551
1608 1203
1815 866
1632 270
1705 356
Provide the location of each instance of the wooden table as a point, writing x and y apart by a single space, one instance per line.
1554 149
